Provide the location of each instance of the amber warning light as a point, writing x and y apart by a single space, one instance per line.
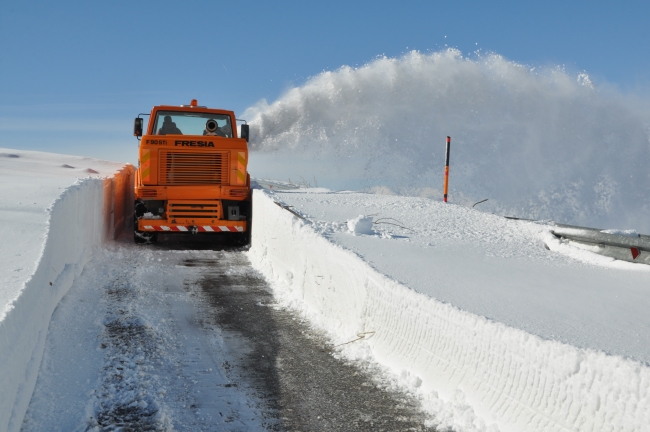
193 103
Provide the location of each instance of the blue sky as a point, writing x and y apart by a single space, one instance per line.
74 74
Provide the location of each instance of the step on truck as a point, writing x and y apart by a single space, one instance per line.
192 174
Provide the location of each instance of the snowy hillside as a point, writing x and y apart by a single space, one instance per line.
539 143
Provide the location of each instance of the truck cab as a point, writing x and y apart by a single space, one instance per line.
192 174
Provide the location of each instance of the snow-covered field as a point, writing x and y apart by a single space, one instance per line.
54 211
495 323
491 266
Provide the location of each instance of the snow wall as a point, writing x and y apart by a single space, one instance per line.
84 216
539 143
472 373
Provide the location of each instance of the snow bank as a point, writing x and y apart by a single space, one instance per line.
472 373
55 210
539 143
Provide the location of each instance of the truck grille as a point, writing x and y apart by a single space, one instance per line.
193 210
184 168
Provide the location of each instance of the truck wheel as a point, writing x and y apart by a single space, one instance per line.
142 237
138 239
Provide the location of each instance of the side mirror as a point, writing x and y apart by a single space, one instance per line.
137 127
245 133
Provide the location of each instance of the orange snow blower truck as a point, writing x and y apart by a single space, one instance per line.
192 174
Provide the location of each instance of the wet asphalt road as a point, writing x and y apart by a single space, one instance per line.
284 362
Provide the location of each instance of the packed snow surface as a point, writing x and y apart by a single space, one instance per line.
539 143
496 323
129 348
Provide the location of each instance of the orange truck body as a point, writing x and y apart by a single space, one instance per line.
192 183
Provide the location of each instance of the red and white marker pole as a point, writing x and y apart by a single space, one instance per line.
446 186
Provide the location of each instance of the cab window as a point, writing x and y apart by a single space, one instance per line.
192 123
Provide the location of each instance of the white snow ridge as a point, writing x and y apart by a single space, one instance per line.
51 224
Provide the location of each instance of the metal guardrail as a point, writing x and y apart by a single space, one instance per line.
599 237
634 249
621 247
274 185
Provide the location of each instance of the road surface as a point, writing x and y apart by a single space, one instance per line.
185 335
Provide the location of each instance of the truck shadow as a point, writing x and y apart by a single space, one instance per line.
185 242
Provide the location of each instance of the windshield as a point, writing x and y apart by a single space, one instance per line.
192 123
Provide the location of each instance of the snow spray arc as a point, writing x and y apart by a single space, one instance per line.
539 142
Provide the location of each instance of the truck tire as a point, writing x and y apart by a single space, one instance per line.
145 237
142 237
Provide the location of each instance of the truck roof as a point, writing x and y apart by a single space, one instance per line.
187 108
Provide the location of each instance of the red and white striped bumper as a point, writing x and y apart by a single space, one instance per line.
182 228
164 226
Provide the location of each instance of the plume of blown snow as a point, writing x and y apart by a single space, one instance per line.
540 144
